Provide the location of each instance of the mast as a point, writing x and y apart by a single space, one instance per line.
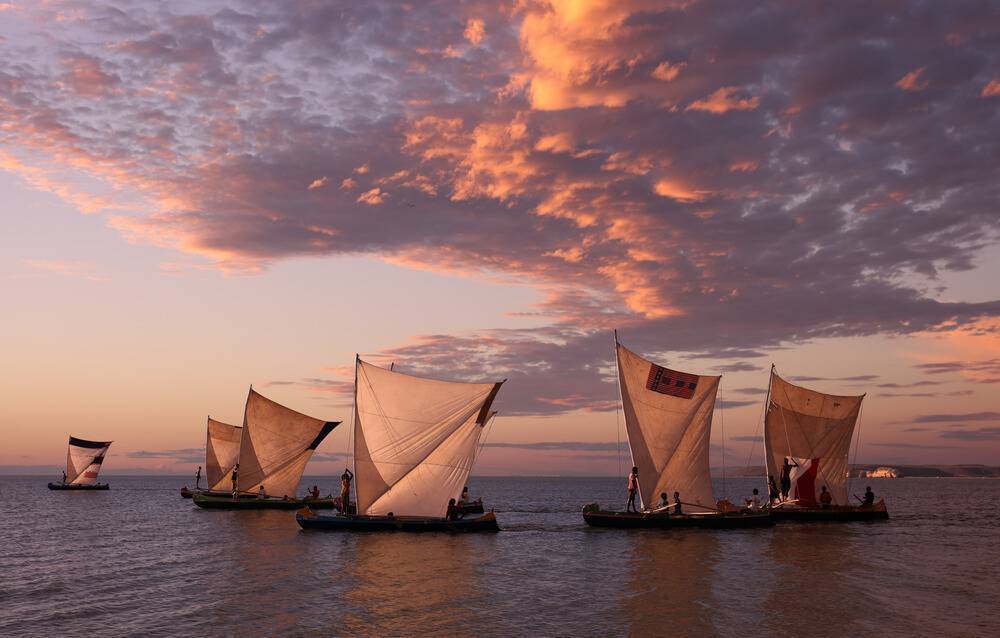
354 424
767 454
628 439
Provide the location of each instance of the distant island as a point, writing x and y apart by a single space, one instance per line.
890 471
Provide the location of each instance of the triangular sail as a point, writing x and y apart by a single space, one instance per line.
668 417
221 453
84 459
415 440
276 444
813 430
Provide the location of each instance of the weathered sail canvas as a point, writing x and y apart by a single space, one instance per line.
813 430
84 459
276 444
221 452
415 440
668 417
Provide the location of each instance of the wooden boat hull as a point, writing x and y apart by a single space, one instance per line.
597 517
310 520
186 493
243 503
69 487
834 514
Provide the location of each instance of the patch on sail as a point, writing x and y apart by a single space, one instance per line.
672 382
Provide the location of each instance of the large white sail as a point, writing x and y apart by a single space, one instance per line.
813 430
415 440
276 444
84 459
668 417
222 449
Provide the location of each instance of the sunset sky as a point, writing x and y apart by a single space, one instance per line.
200 196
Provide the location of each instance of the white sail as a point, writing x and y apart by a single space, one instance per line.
415 440
813 430
276 444
222 450
84 459
668 417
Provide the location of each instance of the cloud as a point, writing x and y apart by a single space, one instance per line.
723 100
992 89
319 183
183 455
912 81
969 416
750 438
859 377
778 188
561 446
77 269
723 403
911 446
982 434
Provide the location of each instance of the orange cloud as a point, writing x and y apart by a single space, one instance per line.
723 100
912 82
348 183
992 89
667 72
373 197
475 30
677 191
744 167
67 268
318 183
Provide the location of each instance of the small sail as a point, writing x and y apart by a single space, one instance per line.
221 453
84 459
813 430
668 417
415 440
276 444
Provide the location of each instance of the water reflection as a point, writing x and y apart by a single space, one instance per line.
669 588
413 584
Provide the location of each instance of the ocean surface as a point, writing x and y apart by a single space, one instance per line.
140 561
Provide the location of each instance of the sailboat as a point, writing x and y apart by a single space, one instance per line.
811 432
668 419
222 450
415 442
83 463
275 445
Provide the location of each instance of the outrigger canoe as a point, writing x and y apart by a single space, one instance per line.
596 517
76 487
242 503
834 513
307 519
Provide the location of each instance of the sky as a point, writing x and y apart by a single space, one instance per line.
200 196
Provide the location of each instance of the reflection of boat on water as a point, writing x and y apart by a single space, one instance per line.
807 440
83 463
276 443
668 420
415 442
222 451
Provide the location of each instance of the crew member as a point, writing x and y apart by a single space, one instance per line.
633 487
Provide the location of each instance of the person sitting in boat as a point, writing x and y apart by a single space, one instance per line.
260 492
825 498
753 503
314 492
663 503
633 487
452 513
345 490
869 498
197 479
464 499
677 503
786 477
772 489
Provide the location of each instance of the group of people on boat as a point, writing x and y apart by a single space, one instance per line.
664 506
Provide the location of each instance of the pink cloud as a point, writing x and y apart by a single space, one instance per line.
913 81
724 100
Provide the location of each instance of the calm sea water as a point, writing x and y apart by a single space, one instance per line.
140 561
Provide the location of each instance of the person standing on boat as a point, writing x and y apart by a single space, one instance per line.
345 490
236 478
64 477
786 477
772 489
677 503
633 487
825 498
197 479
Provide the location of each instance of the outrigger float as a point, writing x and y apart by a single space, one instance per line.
668 420
83 463
807 439
275 444
415 442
